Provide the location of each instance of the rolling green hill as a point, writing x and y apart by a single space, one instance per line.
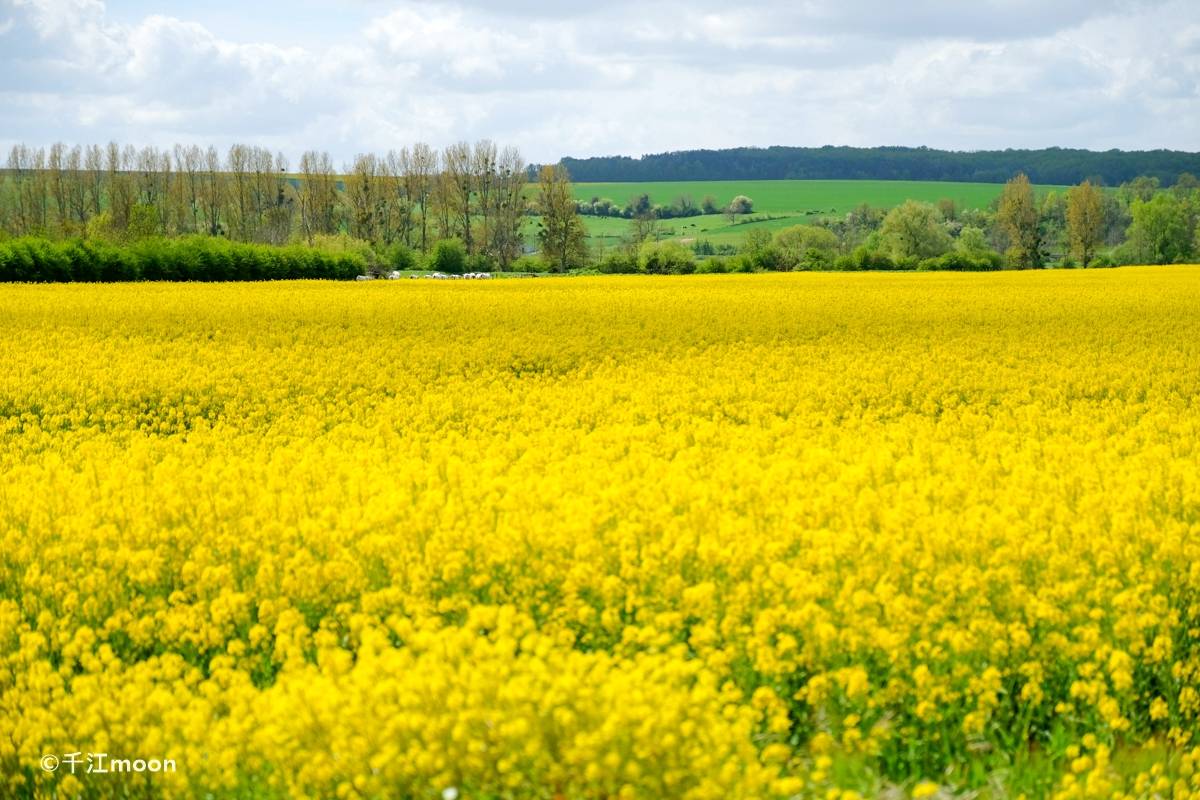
798 197
777 204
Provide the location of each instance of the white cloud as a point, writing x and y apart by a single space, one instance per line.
577 78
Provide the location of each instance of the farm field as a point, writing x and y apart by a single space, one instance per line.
760 536
799 196
777 204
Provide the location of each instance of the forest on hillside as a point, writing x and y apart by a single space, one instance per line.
1052 165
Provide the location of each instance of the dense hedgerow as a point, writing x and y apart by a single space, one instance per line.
956 261
197 258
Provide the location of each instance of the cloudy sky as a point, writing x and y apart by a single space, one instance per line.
560 77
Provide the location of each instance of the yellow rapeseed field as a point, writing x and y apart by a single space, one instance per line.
817 536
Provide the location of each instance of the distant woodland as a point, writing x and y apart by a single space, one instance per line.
1053 165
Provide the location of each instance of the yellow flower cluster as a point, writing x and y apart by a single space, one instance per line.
818 536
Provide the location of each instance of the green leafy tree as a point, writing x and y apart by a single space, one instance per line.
143 222
1185 185
1018 217
562 234
972 241
739 205
1085 221
915 230
807 247
759 251
666 258
1140 188
1159 233
645 226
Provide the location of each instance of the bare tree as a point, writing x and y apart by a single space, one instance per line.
318 195
508 208
77 189
240 202
420 178
189 161
213 191
441 200
27 172
117 165
93 165
459 180
153 171
399 168
57 179
483 177
5 222
400 171
362 195
264 194
281 216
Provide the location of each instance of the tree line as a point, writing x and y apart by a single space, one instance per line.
1053 165
467 208
1085 226
396 205
684 205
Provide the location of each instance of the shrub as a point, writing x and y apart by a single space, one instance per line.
480 263
806 247
666 258
528 264
758 247
740 205
448 256
866 258
741 263
342 244
958 261
713 265
399 256
143 223
619 262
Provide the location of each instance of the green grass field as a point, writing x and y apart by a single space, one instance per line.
798 197
777 204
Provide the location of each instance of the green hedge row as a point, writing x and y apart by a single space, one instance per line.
197 258
865 259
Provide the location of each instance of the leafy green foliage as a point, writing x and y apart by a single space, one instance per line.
914 230
807 247
1051 165
1159 234
666 258
195 258
449 256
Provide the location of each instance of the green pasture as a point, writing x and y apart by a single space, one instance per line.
815 198
777 204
